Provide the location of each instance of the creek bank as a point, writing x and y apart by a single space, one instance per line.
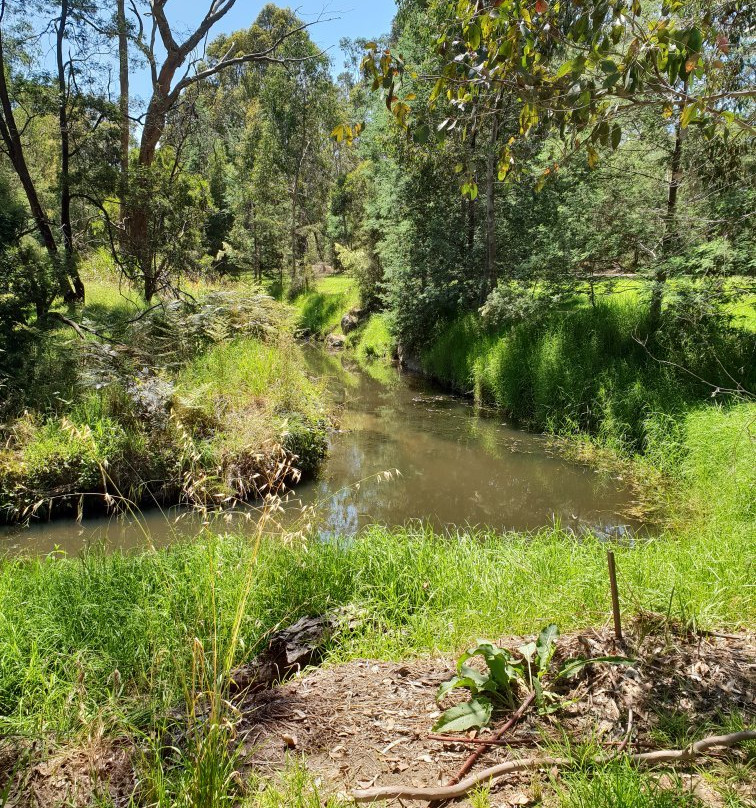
368 722
198 403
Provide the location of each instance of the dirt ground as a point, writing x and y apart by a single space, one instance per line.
367 723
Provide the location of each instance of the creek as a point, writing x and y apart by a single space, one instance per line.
457 465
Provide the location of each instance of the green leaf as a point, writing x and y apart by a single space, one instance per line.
545 646
573 666
473 36
470 190
688 114
616 136
504 669
457 682
422 133
480 679
474 713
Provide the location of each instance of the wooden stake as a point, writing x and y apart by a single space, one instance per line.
615 596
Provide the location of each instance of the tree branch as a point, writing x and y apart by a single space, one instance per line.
494 772
260 56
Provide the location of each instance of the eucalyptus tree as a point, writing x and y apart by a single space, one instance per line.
272 122
579 69
33 94
176 64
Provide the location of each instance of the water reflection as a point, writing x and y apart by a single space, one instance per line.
458 466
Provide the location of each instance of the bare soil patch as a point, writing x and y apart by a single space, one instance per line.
367 723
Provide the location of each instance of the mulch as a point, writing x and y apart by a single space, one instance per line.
367 723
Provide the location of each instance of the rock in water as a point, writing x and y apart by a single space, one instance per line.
335 341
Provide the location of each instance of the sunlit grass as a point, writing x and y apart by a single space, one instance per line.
321 308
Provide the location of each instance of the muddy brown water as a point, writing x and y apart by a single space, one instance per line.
458 466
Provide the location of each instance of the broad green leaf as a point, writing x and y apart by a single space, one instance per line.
456 682
688 114
473 36
474 713
545 646
504 669
481 679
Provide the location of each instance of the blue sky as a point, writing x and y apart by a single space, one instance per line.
347 18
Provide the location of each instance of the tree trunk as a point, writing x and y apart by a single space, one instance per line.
491 163
123 102
468 210
295 190
137 208
76 293
12 140
669 238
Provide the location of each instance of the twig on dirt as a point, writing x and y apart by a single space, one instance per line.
628 733
494 772
470 762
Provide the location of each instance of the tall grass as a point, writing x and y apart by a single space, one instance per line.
67 625
593 369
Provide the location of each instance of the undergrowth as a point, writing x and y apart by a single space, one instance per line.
162 397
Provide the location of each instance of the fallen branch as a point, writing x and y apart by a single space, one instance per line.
494 772
515 717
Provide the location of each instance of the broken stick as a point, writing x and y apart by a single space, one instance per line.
470 762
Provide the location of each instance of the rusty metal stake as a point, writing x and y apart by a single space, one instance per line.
615 596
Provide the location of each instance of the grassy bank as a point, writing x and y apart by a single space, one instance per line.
184 401
596 370
321 309
65 625
119 642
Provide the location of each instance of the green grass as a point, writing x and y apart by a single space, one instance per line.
66 625
320 310
590 370
620 785
373 339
